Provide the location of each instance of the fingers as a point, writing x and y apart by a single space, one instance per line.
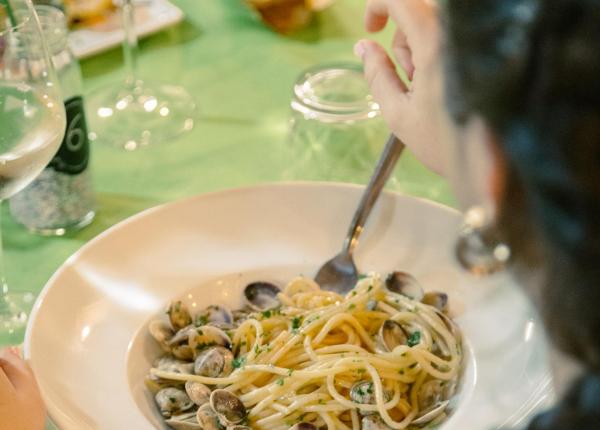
7 389
380 72
16 370
403 53
376 15
416 18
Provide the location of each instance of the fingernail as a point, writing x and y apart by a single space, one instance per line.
360 49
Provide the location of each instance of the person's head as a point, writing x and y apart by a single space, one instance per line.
523 79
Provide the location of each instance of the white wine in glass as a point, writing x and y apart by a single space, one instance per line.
32 125
133 114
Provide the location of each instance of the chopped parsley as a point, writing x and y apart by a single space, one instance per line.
201 320
351 306
296 323
414 339
239 362
280 382
290 371
267 314
370 288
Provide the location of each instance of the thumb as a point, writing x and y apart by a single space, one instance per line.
380 72
16 370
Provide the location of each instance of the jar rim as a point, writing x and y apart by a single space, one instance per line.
315 93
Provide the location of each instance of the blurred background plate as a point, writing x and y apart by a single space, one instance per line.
87 337
151 17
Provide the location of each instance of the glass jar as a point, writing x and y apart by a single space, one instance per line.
337 132
61 198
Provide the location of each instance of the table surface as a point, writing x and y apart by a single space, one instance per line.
241 74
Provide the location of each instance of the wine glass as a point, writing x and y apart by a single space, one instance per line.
134 113
32 125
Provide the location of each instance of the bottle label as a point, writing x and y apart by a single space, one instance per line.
74 153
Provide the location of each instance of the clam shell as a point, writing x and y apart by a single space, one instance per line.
207 336
405 284
179 315
437 300
207 418
391 334
197 392
214 362
185 421
262 296
228 406
172 401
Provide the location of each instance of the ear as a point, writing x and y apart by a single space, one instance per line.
498 169
483 169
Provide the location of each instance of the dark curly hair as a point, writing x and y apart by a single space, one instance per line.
531 70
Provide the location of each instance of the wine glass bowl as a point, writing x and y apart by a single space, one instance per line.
132 117
32 124
134 114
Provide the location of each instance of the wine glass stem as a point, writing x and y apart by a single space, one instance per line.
130 44
3 285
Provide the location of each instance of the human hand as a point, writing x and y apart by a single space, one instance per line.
21 405
411 111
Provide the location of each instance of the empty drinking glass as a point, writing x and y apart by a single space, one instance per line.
337 132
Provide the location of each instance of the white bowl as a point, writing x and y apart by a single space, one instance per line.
87 339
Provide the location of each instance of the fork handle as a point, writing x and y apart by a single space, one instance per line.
389 157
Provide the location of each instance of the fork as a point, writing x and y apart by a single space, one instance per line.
340 273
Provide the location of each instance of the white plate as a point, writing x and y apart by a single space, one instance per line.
87 338
151 16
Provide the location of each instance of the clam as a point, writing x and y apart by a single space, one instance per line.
373 422
363 392
391 334
431 401
162 332
173 365
183 352
229 408
214 362
437 300
451 325
303 426
172 401
197 392
207 418
206 336
262 296
182 335
179 344
214 315
405 284
430 414
430 393
241 315
185 421
179 315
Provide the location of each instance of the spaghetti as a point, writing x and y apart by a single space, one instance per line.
374 358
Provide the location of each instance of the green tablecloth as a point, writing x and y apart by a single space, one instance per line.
241 74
